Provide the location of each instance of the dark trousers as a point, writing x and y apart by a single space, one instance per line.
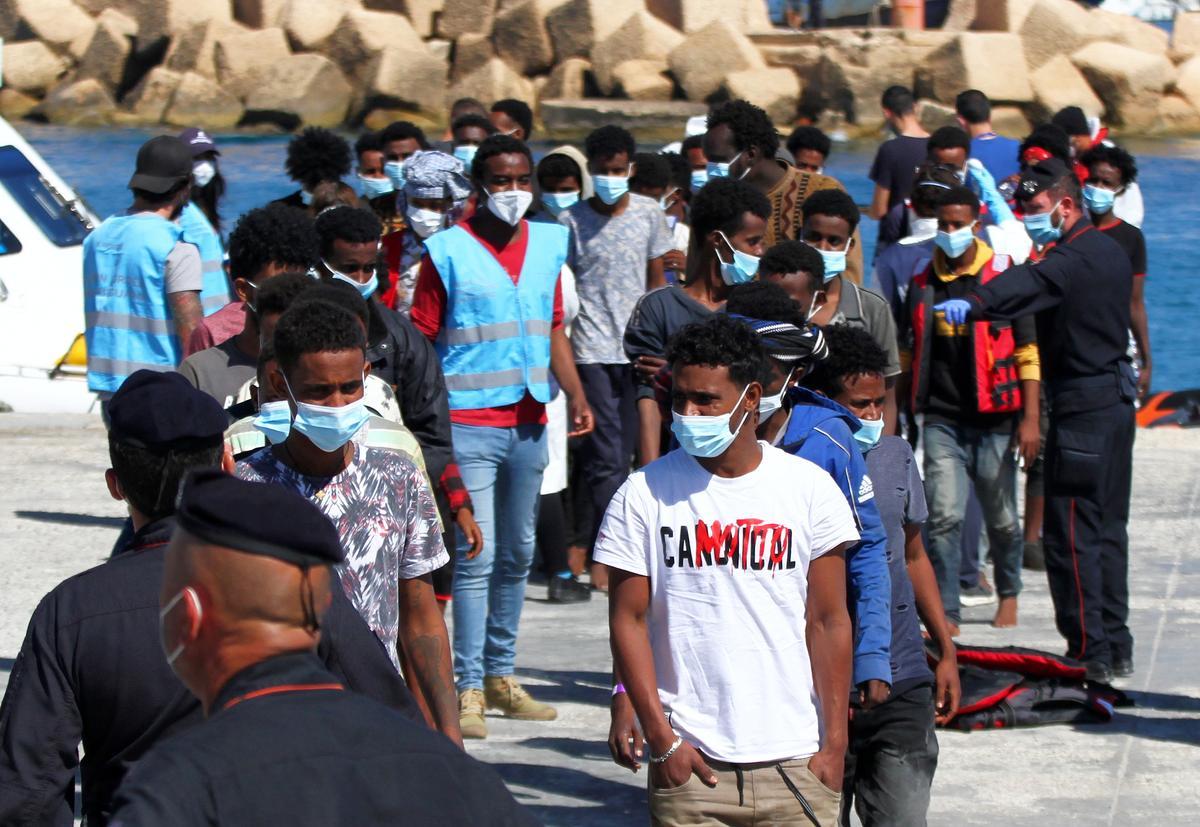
891 760
606 455
552 534
1089 471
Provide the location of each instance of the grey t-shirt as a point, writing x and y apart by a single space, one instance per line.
608 255
866 309
657 316
184 270
219 371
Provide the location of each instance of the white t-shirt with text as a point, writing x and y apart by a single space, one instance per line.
728 566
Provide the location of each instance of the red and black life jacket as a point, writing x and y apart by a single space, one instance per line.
997 385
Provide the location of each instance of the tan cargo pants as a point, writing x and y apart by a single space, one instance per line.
748 795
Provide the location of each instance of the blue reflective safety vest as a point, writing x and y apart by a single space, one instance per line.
495 338
128 320
199 231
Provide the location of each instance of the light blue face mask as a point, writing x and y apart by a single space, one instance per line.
1041 227
869 434
742 269
707 436
835 261
1098 200
394 170
720 169
366 290
956 243
374 187
699 179
328 428
466 154
274 420
556 202
610 188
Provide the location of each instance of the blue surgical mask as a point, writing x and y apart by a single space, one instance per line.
375 187
366 290
720 169
699 179
835 261
610 188
869 433
742 269
274 420
328 428
556 202
1041 227
707 436
394 170
1098 200
956 243
466 154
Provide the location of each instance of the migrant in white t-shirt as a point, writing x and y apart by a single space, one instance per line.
728 566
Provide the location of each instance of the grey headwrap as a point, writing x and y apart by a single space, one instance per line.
432 174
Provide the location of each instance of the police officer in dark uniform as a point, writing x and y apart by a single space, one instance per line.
246 582
91 668
1079 291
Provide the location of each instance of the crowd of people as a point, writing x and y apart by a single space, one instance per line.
389 394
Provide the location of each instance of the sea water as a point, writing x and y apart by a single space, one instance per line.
98 164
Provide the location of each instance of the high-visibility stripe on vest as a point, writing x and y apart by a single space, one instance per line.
996 382
198 230
128 320
495 338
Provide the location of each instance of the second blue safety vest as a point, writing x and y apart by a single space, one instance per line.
495 337
198 230
128 320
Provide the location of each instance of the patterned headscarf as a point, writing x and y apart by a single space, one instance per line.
432 174
787 342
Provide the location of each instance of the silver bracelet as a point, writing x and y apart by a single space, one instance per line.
662 759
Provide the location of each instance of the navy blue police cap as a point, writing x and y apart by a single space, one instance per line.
162 411
257 518
1041 177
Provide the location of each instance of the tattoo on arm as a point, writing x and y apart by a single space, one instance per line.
427 646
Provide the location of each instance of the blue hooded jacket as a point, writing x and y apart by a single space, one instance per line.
822 432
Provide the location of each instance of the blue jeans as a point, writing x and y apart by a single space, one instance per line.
954 456
502 468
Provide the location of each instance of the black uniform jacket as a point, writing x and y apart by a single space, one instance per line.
92 670
283 744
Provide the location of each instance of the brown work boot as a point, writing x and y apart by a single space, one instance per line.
508 696
470 714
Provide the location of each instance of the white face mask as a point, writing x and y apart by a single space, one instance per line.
425 222
510 206
203 172
768 405
191 595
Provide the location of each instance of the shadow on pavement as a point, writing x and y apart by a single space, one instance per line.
574 747
615 803
6 664
68 518
1164 702
1178 730
574 687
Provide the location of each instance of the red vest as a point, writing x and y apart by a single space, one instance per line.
997 385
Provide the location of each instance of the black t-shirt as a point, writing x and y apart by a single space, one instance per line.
1132 242
895 165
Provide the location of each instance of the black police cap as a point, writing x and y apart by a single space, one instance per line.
162 411
257 518
1041 177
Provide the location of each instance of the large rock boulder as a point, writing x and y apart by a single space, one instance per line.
78 103
309 23
1054 27
643 80
149 100
695 63
195 50
1010 121
471 51
241 57
421 13
161 19
1056 84
992 62
1185 37
1130 82
693 15
1187 84
199 101
362 35
258 14
639 117
108 49
987 15
934 115
1177 114
461 17
642 36
304 89
31 67
568 80
15 105
54 22
521 36
1137 34
490 82
578 25
776 90
407 77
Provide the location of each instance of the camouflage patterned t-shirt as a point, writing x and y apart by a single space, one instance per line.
387 519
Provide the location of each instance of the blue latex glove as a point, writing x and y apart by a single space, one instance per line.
955 310
985 186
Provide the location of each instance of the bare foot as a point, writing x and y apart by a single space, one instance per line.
600 577
576 559
954 632
1006 613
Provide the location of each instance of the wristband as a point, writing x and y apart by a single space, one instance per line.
619 689
662 759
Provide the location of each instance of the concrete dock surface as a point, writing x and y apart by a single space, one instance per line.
56 518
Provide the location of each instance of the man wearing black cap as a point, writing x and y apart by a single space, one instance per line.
243 604
1079 291
141 279
91 669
